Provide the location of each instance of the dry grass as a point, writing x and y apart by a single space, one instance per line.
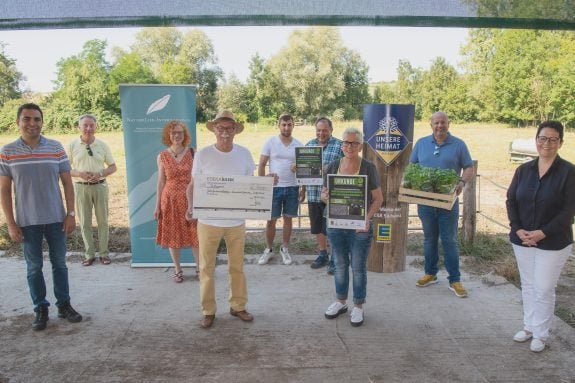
488 145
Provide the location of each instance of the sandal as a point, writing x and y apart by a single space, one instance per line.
178 277
105 260
88 262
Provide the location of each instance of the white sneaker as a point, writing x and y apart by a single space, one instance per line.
265 256
537 345
356 317
335 309
522 336
285 255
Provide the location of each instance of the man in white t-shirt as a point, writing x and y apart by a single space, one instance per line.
222 158
280 152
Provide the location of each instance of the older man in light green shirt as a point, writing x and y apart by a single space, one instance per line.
92 162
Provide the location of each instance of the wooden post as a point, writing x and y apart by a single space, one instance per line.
389 257
388 132
469 224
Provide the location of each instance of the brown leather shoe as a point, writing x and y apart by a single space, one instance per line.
243 315
207 321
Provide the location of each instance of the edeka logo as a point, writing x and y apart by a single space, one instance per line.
158 104
389 140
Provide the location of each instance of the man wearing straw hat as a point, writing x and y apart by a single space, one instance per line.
227 159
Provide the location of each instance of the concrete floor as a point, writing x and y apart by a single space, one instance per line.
139 326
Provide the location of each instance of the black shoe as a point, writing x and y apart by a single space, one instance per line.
320 261
66 311
331 268
39 323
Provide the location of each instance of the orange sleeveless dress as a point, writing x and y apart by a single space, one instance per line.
174 230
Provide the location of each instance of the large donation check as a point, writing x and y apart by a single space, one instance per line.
232 197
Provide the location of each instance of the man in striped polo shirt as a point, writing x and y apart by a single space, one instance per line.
35 164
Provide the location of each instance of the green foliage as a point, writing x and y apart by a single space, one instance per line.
82 86
8 115
544 9
314 74
176 58
10 77
427 179
520 76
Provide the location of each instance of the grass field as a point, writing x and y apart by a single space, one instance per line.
488 145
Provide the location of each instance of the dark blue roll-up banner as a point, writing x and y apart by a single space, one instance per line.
145 111
388 129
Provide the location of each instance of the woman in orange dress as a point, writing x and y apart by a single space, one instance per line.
174 175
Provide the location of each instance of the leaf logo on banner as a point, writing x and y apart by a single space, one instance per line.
158 104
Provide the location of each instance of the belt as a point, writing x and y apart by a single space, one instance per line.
92 183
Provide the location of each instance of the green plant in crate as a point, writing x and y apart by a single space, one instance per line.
427 179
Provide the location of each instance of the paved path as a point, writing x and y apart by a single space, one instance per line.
139 326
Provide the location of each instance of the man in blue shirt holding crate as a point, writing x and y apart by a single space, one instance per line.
442 150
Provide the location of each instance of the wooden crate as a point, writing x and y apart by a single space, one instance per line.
443 201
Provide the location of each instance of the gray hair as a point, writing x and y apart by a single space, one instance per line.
90 116
358 133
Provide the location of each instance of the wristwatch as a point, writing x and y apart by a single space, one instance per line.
72 213
463 182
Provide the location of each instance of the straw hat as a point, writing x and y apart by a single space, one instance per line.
225 115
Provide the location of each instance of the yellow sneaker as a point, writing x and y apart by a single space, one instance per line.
426 280
458 289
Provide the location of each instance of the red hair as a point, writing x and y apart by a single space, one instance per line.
170 125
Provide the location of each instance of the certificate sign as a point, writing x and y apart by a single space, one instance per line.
347 203
308 165
232 197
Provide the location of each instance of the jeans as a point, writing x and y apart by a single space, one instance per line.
285 201
539 270
32 248
350 247
440 223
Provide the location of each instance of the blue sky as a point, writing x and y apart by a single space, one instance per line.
37 51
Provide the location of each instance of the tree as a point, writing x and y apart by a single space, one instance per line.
551 9
10 77
356 90
232 96
174 58
312 73
82 86
129 68
438 81
408 86
522 76
384 93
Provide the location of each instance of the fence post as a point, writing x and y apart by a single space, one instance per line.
469 224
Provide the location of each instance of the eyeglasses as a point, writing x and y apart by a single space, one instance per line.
227 129
353 144
177 132
436 151
89 149
544 139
